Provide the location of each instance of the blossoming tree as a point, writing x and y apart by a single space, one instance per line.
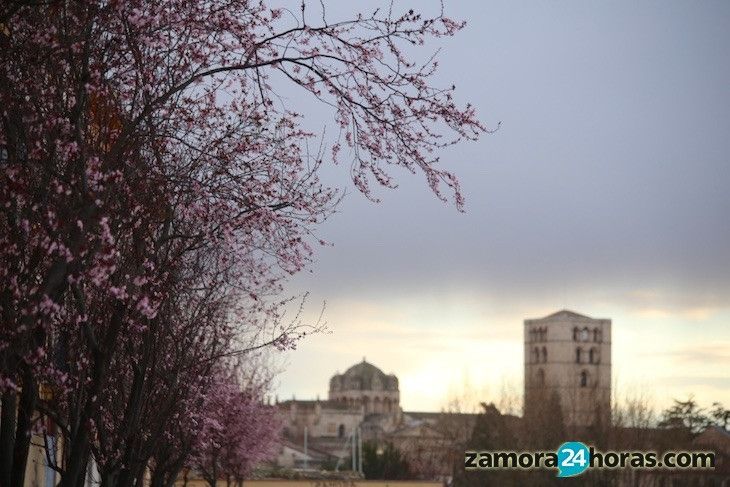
154 197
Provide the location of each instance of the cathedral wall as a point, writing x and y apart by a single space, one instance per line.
336 423
384 402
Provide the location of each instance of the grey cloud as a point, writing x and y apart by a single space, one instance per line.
610 171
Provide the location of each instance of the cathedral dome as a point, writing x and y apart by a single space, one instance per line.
364 376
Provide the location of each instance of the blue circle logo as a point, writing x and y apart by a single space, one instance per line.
573 459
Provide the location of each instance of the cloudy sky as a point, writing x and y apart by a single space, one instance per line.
606 191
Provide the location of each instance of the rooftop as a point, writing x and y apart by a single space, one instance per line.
564 314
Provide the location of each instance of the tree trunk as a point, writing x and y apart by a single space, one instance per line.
7 435
78 455
26 409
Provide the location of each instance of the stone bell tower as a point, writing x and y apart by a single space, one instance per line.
569 354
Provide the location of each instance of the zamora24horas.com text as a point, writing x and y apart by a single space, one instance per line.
574 458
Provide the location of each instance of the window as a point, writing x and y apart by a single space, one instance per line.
578 355
584 335
341 431
535 335
540 377
535 355
596 335
575 334
593 356
544 354
584 379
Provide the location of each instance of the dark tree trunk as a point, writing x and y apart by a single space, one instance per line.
26 409
75 474
7 435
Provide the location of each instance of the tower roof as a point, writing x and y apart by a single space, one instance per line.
566 313
365 376
364 370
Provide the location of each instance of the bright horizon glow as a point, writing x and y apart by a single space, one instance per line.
434 365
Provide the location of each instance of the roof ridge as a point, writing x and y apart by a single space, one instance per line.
568 312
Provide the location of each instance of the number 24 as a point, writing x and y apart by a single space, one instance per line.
574 457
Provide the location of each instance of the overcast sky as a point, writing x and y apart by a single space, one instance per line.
606 191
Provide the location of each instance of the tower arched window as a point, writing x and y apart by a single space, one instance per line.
593 356
584 334
584 379
597 335
575 334
544 354
578 355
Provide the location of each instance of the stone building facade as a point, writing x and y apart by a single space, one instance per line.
321 418
364 402
362 397
569 355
